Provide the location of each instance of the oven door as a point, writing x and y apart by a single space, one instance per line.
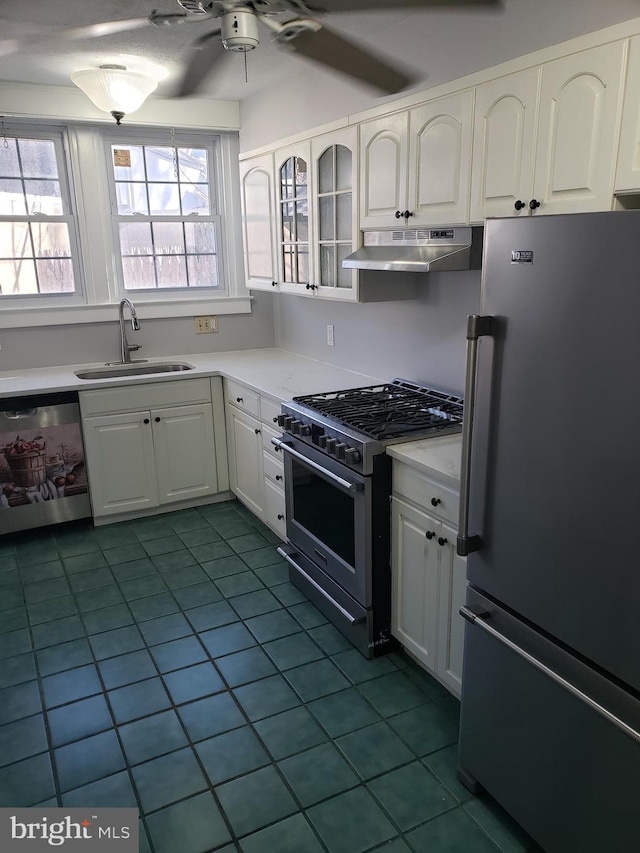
329 516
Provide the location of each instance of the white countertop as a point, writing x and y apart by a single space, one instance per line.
439 457
277 373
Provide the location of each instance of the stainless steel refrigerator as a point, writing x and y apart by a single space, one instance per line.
550 521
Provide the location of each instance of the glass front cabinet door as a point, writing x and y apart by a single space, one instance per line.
295 215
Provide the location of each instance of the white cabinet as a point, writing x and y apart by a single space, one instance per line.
545 138
256 470
418 162
153 446
628 171
257 194
294 217
428 577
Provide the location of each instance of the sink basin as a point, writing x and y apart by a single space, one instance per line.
113 371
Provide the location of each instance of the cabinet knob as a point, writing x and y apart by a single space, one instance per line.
429 534
280 517
435 501
157 420
146 421
239 399
519 205
398 214
274 284
534 203
257 431
275 420
442 540
312 286
278 476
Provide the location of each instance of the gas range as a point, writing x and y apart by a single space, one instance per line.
357 424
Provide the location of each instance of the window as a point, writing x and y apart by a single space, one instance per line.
166 223
37 229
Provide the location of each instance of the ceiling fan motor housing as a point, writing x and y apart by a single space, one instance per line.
240 30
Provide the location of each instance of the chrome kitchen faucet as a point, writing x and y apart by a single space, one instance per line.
125 347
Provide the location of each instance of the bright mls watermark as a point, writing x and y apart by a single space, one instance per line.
75 830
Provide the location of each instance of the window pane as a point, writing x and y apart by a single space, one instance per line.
193 164
161 164
55 276
303 264
326 218
9 165
133 154
203 270
17 278
38 158
288 262
345 277
15 241
139 272
325 171
327 267
287 222
164 200
302 221
12 202
195 199
131 198
343 216
200 237
43 197
300 177
286 179
343 168
51 239
168 238
135 238
171 271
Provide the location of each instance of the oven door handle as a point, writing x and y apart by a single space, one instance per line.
352 620
328 475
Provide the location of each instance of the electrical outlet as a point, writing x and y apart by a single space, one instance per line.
206 325
329 334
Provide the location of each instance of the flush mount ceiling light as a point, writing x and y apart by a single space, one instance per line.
114 89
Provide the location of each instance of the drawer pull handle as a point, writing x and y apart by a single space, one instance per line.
442 540
146 421
429 534
157 420
435 501
257 431
239 399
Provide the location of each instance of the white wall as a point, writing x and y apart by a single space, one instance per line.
100 342
446 44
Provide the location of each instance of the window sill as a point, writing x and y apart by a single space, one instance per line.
70 315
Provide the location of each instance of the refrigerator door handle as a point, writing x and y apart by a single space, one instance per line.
478 619
477 326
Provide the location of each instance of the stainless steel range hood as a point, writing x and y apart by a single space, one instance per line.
419 250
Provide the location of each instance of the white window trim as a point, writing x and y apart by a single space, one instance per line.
89 183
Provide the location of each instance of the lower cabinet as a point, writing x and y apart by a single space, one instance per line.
256 469
428 582
157 454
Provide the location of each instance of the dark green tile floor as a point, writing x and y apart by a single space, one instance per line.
168 664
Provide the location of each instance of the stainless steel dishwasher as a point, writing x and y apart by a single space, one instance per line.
43 476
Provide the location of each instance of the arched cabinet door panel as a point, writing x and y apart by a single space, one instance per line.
383 170
257 195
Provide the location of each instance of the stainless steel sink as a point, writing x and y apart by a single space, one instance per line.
113 371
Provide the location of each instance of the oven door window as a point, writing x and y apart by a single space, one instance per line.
324 511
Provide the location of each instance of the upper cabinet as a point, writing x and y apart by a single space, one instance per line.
415 165
628 171
294 217
259 222
544 138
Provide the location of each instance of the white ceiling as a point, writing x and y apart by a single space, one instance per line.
43 58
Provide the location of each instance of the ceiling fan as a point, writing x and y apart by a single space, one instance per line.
294 26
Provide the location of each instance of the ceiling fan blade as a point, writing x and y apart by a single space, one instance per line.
106 28
206 53
381 5
328 48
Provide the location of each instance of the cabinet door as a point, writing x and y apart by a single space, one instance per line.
453 590
503 145
274 508
440 160
246 471
335 231
577 132
628 171
121 463
414 566
384 161
185 453
295 218
259 222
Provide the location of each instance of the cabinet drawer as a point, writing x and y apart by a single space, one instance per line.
267 435
243 398
134 398
269 411
274 510
435 498
274 470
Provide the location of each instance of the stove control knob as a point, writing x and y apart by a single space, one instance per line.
305 429
341 448
322 441
295 427
287 420
280 420
331 445
351 455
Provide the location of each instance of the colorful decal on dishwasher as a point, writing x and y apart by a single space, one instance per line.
41 465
